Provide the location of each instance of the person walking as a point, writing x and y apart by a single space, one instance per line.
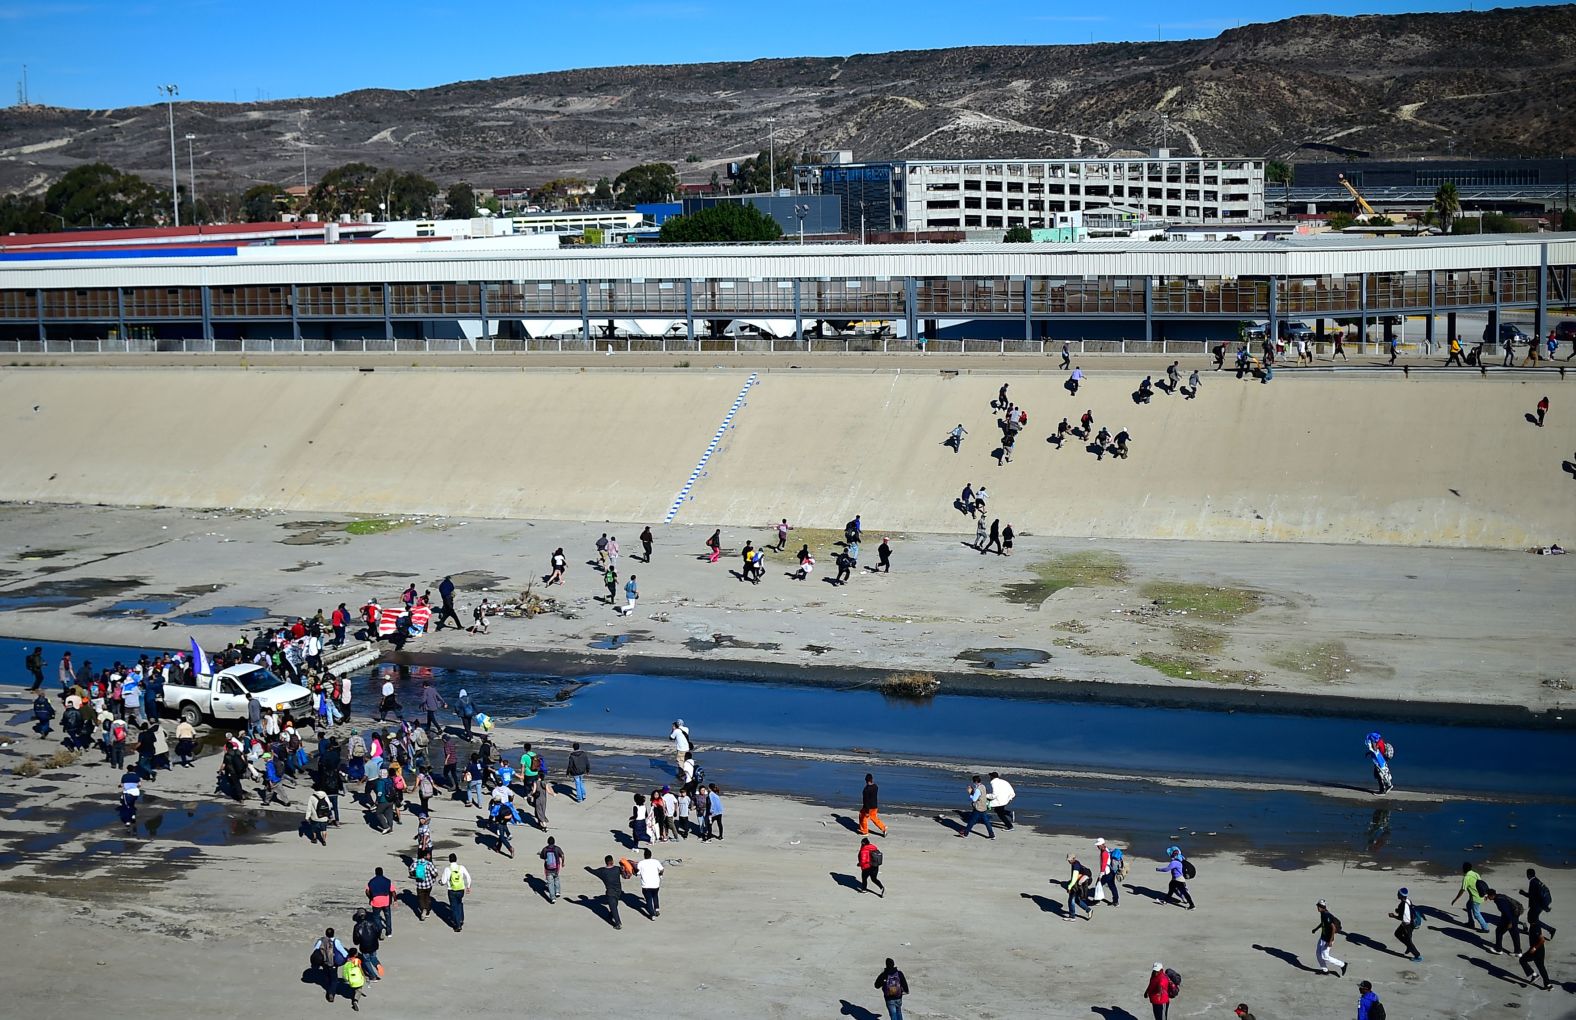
714 545
1533 958
35 667
1110 870
884 556
610 581
1194 382
612 877
955 438
1454 357
612 552
424 874
979 809
646 541
893 986
981 534
380 897
1473 887
552 856
1159 991
782 535
1079 882
368 936
1340 348
315 818
1075 381
1509 921
995 537
556 565
1001 794
457 880
601 550
680 739
353 977
431 702
1179 868
1367 1002
870 859
1067 357
713 811
1539 902
328 954
577 768
869 807
1543 410
1410 920
649 870
1328 927
446 610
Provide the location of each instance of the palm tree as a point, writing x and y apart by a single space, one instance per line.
1448 204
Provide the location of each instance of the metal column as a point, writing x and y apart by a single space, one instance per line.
1362 307
486 326
388 319
1271 328
910 300
585 312
207 314
1433 310
689 309
1149 307
1028 308
38 307
1493 330
295 315
1543 294
120 313
798 320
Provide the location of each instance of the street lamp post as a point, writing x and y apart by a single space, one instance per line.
191 167
170 92
771 158
861 221
801 211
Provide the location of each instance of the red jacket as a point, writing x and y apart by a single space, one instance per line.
864 854
1159 990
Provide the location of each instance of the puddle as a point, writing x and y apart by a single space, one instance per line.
374 576
41 554
68 592
140 607
729 641
315 533
302 565
1005 658
475 580
818 649
223 616
613 642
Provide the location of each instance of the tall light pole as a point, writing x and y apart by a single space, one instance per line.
191 166
170 92
771 159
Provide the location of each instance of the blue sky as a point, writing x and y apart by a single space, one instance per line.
88 54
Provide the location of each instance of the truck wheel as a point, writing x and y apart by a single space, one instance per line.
190 713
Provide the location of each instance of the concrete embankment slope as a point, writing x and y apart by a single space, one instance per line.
1316 457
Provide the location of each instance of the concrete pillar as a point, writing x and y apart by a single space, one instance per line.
388 316
798 317
486 325
1362 307
1028 294
689 308
1149 307
910 307
120 313
295 314
1272 327
1433 309
585 311
38 308
207 313
1450 329
1540 328
1493 318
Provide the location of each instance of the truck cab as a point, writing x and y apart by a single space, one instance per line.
221 697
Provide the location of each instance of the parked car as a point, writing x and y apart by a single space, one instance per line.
1509 333
1565 332
1255 330
1295 329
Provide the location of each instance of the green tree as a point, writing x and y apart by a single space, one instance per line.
1448 205
728 221
461 200
262 202
24 214
1018 235
96 194
1489 223
1381 221
716 183
558 193
1277 171
344 189
1568 220
1338 220
412 196
755 174
649 182
603 193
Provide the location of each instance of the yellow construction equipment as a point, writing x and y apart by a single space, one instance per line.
1364 209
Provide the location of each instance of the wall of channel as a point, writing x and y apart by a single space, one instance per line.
1315 458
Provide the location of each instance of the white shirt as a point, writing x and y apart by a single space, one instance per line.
448 873
680 738
688 768
388 688
1001 792
670 803
502 794
650 871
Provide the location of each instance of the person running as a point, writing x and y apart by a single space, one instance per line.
1075 381
380 897
995 537
446 610
612 877
1194 382
1539 902
457 880
552 856
1410 920
893 986
1086 420
1002 794
631 596
884 556
1159 991
955 438
1454 353
35 667
1067 357
845 567
981 534
869 808
577 768
1173 377
870 858
1110 870
1366 1001
610 581
714 546
1474 888
1178 867
1395 350
1533 958
556 565
782 535
601 550
979 807
1328 927
1509 921
353 977
1379 755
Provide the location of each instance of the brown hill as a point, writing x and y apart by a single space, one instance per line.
1494 82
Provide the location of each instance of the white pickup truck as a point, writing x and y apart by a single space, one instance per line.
221 697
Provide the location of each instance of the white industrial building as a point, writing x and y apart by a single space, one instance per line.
990 194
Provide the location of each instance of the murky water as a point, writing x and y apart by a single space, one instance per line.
223 616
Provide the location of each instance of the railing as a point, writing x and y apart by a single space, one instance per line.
637 345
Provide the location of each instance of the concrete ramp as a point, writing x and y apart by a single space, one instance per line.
1309 458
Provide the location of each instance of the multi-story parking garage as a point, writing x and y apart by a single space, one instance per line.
517 294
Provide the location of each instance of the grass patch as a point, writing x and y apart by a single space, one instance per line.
1073 626
909 685
373 525
1092 569
1185 667
61 758
1221 605
27 768
1326 661
1201 640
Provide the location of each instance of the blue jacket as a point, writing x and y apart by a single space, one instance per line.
1366 1004
1175 867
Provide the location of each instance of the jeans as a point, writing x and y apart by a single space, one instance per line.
611 899
1109 880
895 1008
580 789
1005 815
333 802
451 775
370 964
385 917
1475 914
653 901
551 878
975 817
1507 924
457 907
473 793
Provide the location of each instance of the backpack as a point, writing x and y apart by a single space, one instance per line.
626 867
399 781
876 858
324 809
1417 916
892 984
1118 864
552 857
424 786
1482 889
1188 871
1335 924
1173 979
1376 1011
418 871
1515 909
1544 897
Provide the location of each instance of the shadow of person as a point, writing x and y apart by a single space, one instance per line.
1371 943
846 822
538 886
1112 1013
1045 903
1491 969
1570 467
1532 419
857 1012
951 823
623 838
1286 957
1471 937
846 881
1154 894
